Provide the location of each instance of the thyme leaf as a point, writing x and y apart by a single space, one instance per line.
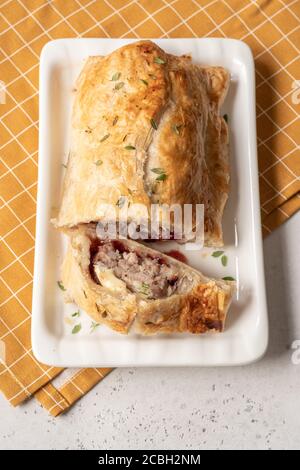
161 177
93 326
76 329
106 136
158 171
119 85
224 260
129 147
121 201
61 286
153 124
216 254
158 60
76 314
176 128
115 77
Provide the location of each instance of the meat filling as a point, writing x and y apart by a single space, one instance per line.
148 276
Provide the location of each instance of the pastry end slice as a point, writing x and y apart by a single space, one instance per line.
130 287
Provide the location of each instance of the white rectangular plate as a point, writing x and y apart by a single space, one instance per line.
246 335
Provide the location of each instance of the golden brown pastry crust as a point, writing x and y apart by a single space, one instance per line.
118 99
203 307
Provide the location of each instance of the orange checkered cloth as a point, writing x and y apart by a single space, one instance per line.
270 28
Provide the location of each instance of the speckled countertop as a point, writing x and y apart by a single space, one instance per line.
256 407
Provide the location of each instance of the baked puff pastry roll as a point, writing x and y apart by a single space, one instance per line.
146 125
127 286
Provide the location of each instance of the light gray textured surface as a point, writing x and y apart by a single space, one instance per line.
256 407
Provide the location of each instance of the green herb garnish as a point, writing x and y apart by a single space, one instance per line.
158 60
176 128
119 85
144 81
64 165
61 286
98 162
224 260
216 254
76 329
161 177
225 117
121 201
115 77
104 137
153 124
228 278
129 147
76 314
160 172
84 293
115 120
144 289
93 326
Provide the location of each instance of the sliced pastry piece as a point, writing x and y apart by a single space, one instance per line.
126 285
146 125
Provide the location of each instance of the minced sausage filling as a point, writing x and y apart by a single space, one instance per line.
149 276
